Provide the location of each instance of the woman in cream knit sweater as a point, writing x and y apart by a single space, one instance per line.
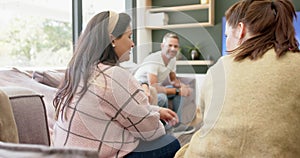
251 97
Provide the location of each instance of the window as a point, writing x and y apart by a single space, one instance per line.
93 7
35 33
38 33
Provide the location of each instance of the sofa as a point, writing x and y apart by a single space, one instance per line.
27 117
28 112
14 78
33 92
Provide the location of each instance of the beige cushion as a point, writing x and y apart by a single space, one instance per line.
8 127
153 96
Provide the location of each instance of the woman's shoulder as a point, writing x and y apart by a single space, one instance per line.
223 60
112 68
116 73
293 55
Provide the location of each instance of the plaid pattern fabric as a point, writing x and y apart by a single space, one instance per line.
112 116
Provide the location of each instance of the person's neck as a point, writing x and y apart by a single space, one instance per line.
165 59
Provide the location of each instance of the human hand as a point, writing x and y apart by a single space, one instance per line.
176 83
185 90
168 116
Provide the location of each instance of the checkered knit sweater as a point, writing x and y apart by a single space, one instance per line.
112 116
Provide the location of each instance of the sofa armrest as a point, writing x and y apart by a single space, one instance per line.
190 106
30 115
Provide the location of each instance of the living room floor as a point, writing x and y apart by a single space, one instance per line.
185 138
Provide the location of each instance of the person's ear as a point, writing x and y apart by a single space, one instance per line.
242 30
112 37
113 44
112 40
161 45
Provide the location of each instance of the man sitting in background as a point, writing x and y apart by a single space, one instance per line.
159 66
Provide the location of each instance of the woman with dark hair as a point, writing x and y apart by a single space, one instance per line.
100 106
251 97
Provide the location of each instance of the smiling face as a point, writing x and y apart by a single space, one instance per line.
170 47
123 45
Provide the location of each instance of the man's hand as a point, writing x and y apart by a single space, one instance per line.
185 90
174 80
169 116
176 83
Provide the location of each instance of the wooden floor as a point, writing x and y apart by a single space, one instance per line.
183 139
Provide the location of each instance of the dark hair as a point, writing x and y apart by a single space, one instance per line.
93 47
270 23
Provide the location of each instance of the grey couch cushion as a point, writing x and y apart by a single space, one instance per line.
11 150
51 78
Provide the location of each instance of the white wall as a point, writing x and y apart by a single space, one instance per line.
144 36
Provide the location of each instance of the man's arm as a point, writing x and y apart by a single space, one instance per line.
174 81
152 78
180 88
